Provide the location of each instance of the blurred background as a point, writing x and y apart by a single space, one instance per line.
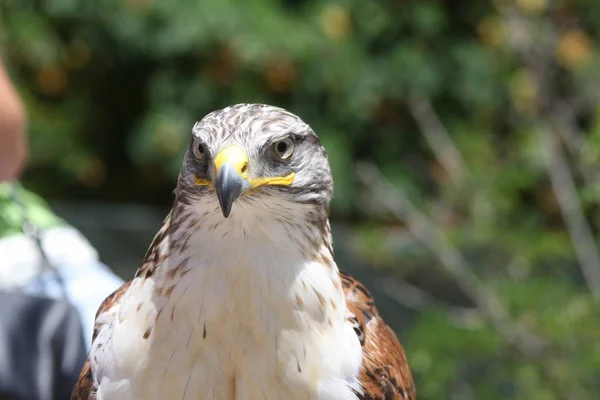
464 139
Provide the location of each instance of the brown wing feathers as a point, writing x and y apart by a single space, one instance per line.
384 374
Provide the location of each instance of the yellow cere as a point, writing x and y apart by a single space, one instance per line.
235 156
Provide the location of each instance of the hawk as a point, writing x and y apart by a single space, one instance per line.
239 296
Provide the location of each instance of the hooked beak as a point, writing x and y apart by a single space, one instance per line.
232 177
228 185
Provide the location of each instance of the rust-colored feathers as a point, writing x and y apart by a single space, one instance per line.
384 374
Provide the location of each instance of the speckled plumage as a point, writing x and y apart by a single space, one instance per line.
252 306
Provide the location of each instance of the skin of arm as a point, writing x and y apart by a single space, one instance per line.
13 142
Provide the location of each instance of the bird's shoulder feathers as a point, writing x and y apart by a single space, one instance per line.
384 373
85 388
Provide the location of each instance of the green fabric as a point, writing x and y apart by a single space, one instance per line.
12 213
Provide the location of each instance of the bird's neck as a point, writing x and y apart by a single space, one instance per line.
255 262
255 229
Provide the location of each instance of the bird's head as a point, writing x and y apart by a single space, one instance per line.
254 155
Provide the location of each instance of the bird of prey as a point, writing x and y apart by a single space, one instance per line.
239 296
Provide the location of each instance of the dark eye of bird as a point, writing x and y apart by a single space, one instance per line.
283 149
199 151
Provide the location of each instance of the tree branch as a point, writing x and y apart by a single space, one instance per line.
451 259
417 299
578 227
437 136
562 124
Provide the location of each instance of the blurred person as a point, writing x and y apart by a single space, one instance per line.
13 148
51 279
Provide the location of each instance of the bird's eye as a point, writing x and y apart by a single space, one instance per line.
283 149
199 150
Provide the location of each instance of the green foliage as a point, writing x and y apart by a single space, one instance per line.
113 88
